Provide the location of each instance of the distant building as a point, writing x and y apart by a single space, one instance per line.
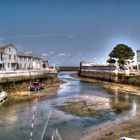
138 59
8 57
11 59
25 60
37 63
96 67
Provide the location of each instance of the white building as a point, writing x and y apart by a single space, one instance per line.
37 63
25 60
138 58
11 59
96 67
8 59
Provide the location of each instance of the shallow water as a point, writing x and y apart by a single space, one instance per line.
15 120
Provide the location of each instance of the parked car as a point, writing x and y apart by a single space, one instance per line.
123 68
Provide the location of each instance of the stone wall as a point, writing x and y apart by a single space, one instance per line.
130 79
101 75
12 84
110 76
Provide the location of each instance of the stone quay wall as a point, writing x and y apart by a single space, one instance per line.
11 81
110 76
123 77
16 76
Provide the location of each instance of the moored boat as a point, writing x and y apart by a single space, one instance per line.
36 86
126 138
3 96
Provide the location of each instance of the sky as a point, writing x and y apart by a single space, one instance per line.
66 32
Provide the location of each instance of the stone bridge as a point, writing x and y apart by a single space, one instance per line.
68 68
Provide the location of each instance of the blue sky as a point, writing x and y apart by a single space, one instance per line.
68 31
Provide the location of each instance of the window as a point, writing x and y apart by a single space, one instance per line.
1 56
14 57
9 57
8 65
9 49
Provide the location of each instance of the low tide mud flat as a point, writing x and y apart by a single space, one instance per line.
128 126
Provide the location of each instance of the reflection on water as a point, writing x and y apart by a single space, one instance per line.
134 108
15 121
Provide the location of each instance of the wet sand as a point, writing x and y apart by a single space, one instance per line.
111 86
24 95
128 126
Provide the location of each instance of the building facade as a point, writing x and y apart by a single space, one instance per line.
12 59
138 59
8 57
97 67
25 60
37 62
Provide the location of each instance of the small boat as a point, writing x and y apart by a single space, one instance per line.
126 138
3 96
36 86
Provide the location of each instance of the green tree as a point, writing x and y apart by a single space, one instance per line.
121 62
111 61
122 53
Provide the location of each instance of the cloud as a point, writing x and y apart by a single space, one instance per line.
44 54
51 52
71 36
2 40
62 54
36 35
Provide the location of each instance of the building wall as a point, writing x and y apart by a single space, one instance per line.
25 62
138 56
1 60
138 59
10 58
37 63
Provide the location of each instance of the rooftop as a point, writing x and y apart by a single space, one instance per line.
35 57
24 54
5 46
